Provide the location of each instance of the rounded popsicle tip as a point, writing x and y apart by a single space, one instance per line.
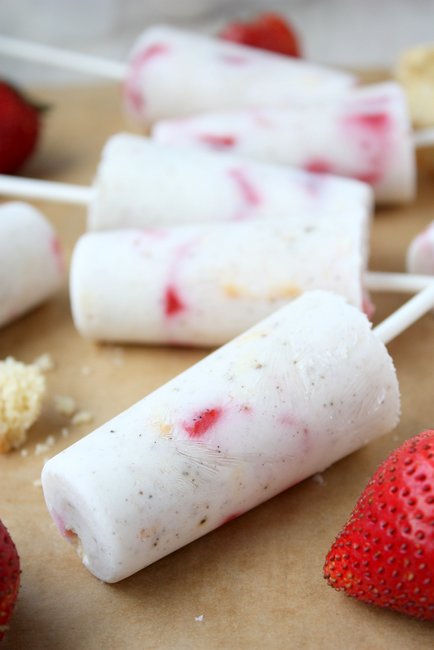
420 253
79 522
32 259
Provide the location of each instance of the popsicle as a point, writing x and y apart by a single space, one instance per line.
173 72
201 285
141 183
364 134
420 254
284 400
31 260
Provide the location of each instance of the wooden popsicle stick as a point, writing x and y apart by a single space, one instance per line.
60 58
406 315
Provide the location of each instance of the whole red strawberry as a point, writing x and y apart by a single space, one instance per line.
9 578
19 129
385 554
268 31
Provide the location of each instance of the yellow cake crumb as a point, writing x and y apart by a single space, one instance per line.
415 72
22 389
65 405
81 417
44 362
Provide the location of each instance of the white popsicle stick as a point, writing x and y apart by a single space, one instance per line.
58 57
28 188
113 70
423 138
396 282
406 315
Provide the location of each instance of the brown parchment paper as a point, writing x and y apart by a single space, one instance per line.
257 582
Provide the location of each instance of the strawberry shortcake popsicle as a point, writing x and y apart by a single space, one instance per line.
31 260
203 284
142 183
420 254
364 134
172 72
297 392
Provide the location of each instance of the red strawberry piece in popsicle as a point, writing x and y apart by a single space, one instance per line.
268 31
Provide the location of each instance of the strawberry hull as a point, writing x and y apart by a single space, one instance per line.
300 390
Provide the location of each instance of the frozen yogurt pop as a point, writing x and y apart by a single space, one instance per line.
31 260
420 254
201 285
172 72
141 183
364 134
294 394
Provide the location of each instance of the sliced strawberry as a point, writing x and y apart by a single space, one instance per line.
385 554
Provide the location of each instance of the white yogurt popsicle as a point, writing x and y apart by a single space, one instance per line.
420 254
173 72
363 134
202 285
300 390
141 183
31 260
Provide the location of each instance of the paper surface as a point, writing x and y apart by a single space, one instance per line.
254 583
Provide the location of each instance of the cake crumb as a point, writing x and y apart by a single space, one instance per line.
22 390
37 482
85 370
81 417
44 362
41 448
199 618
318 478
24 452
65 405
65 432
